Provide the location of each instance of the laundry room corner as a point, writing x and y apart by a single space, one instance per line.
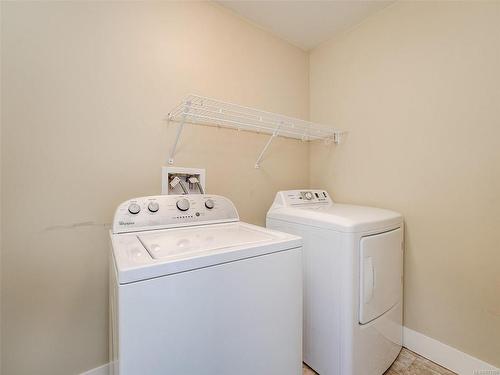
250 187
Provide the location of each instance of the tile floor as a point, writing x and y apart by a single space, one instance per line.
407 363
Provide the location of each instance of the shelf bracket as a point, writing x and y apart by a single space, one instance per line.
259 159
337 137
179 131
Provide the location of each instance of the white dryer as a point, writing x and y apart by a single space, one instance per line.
353 269
195 291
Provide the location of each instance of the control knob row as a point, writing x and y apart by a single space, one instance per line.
134 208
183 204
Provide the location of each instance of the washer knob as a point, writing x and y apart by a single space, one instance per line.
209 203
308 195
153 206
183 204
134 208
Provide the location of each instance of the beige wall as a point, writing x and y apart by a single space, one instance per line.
418 88
0 197
85 89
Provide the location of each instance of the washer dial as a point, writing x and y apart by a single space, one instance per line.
183 204
134 208
209 203
153 206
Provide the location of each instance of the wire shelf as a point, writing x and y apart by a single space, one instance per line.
211 112
206 111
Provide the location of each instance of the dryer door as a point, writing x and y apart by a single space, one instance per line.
381 270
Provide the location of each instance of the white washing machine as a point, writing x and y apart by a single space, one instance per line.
195 291
353 269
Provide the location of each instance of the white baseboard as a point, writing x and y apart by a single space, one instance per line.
427 347
445 355
102 370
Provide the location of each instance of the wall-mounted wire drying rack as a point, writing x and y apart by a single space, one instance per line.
206 111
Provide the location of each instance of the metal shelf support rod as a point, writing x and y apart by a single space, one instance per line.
337 137
178 135
259 159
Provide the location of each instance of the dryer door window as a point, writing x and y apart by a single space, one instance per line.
381 270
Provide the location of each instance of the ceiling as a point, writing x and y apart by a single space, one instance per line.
305 24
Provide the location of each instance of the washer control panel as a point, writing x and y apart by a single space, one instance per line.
171 211
303 197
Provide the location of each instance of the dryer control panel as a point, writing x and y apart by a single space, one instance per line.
302 197
172 211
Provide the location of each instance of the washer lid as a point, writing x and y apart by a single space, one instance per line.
149 254
340 217
186 242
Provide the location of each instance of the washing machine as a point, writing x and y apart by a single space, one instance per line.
195 291
353 278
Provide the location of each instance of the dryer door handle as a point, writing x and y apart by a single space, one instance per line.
368 278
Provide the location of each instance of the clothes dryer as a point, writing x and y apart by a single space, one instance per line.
353 278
